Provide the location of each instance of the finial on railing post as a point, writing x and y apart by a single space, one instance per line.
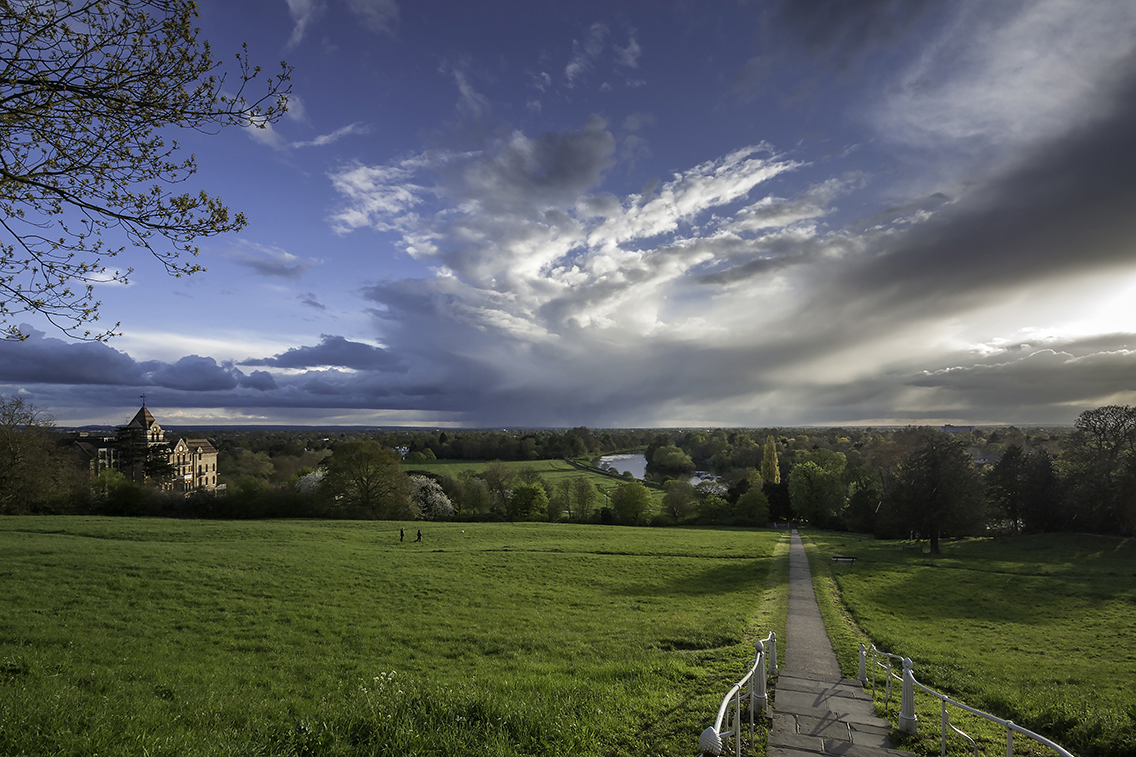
760 697
710 742
862 674
908 722
772 653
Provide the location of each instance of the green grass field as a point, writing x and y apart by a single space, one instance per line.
165 637
552 471
1039 629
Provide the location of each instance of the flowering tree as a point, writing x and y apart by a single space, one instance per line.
431 501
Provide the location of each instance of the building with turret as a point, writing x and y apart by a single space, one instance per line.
141 451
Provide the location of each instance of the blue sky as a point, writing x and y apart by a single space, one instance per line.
646 214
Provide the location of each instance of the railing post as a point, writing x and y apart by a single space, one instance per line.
772 657
908 722
710 742
760 696
862 674
1009 739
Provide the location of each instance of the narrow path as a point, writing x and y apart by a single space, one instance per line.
816 712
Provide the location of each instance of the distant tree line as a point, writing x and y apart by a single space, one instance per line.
908 482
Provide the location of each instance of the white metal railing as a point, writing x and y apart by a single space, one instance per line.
750 689
909 722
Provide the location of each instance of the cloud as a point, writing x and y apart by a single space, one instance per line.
195 374
312 301
629 56
335 136
377 15
835 38
584 53
1008 80
260 380
41 359
332 351
269 261
303 13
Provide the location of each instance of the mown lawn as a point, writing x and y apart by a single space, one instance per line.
164 637
1037 629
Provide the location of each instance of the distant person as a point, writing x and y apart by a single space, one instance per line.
419 538
401 534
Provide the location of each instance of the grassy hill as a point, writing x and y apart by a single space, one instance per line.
163 637
1040 630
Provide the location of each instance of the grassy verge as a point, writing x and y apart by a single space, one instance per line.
161 637
1035 629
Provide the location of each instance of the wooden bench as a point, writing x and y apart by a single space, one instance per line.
844 559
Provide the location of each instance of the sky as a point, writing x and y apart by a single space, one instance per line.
644 214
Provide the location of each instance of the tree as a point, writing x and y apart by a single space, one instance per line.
678 499
33 469
527 499
87 88
937 489
631 501
1099 466
817 488
1004 486
671 458
770 472
584 495
366 477
432 503
753 506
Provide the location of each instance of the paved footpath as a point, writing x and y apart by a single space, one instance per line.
816 712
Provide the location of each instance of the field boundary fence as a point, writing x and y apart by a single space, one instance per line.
752 691
909 722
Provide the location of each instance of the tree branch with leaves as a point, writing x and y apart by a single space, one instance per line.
87 91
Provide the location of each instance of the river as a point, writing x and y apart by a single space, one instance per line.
636 464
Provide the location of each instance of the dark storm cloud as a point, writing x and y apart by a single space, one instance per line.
195 374
550 170
40 359
1067 208
332 350
260 380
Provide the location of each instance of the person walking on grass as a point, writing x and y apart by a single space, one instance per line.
419 537
401 534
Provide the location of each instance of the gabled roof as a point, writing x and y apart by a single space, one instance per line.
203 444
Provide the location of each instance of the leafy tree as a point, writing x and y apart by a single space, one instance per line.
238 464
1004 486
1043 496
769 469
630 503
817 488
34 471
527 499
86 89
365 477
1099 465
753 506
678 499
499 479
937 489
584 495
671 458
476 497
